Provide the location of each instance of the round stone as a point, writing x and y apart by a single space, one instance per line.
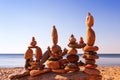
53 64
89 61
72 58
56 49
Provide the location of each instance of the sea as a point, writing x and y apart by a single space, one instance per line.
17 60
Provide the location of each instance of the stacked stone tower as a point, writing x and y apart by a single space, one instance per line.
90 54
56 62
35 67
29 55
54 57
72 57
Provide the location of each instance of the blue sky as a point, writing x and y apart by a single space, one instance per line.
22 19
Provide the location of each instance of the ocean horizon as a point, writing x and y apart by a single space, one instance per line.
17 59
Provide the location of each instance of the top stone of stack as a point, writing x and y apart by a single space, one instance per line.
89 20
54 35
33 42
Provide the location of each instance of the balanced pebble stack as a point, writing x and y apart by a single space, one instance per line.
52 60
29 54
55 61
72 57
90 54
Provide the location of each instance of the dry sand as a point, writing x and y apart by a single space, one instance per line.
108 73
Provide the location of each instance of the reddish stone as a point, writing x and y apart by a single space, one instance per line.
63 61
72 51
33 43
91 66
38 54
58 70
89 56
72 58
90 48
80 63
89 61
38 72
73 69
92 71
83 56
53 64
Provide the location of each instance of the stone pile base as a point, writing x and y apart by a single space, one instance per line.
79 75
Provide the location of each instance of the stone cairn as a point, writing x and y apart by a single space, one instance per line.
35 67
30 63
90 54
56 62
53 57
73 64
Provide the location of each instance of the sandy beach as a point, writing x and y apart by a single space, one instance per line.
108 73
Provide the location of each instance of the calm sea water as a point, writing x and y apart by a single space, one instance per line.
17 60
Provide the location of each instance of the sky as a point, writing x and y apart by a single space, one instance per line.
20 20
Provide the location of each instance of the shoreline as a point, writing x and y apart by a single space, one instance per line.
107 72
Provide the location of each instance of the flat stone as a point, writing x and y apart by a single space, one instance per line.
76 45
78 75
45 56
92 66
71 67
90 48
38 72
19 75
92 71
58 70
90 56
51 58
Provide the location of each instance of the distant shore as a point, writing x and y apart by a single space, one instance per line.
107 72
17 60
